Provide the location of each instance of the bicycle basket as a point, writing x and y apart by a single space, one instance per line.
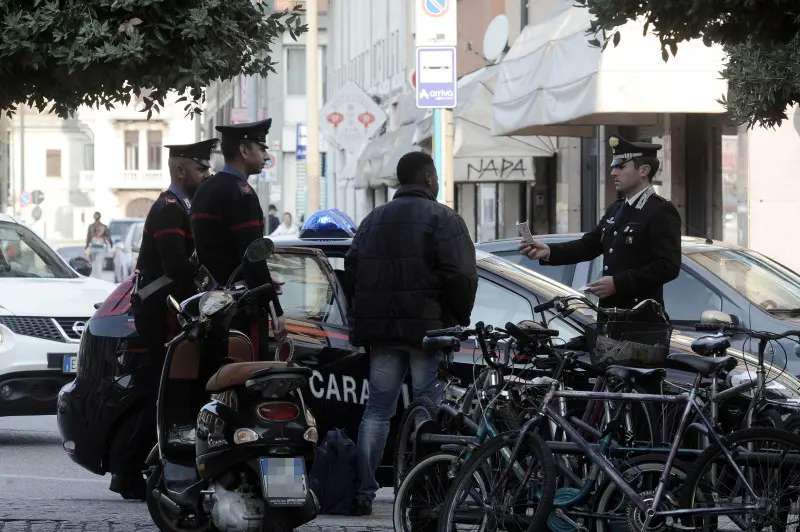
644 345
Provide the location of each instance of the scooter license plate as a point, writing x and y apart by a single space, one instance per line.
284 481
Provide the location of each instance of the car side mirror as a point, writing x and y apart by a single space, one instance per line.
82 265
716 317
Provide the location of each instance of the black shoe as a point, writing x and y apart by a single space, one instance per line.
131 487
362 507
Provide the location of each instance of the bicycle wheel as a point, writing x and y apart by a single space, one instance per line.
419 411
714 482
424 489
616 514
519 501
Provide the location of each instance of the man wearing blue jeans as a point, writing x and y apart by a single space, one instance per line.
410 269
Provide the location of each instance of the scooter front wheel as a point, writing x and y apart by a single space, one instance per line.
165 517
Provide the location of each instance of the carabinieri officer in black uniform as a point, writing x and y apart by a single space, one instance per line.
164 267
227 216
639 236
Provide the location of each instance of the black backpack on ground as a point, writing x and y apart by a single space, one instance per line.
333 475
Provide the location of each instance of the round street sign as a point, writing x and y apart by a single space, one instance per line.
412 79
270 162
24 199
435 8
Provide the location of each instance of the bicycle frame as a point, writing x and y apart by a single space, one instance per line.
547 411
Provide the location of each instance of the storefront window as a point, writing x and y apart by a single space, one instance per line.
734 194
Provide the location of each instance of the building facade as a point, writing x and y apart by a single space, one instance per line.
280 96
111 161
372 44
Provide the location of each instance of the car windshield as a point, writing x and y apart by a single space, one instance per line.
23 254
762 281
307 292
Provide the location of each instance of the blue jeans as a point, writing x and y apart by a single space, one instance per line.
387 370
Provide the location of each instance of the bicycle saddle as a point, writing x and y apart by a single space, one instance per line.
629 375
711 345
705 366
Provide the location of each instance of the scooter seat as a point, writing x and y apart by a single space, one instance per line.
237 373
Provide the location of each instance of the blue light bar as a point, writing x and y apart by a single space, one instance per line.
349 222
328 224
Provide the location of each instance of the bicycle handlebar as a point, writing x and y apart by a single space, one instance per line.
764 336
560 303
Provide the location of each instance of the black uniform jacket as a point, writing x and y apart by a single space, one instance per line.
641 248
226 217
167 247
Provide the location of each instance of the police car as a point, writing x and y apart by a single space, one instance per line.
315 309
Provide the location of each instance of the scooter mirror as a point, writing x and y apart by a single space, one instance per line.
259 250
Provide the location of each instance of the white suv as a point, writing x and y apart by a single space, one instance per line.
44 308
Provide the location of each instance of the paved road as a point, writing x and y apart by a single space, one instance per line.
41 490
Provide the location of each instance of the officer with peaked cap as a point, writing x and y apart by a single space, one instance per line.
227 217
639 236
164 267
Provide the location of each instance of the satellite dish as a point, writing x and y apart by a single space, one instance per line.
495 40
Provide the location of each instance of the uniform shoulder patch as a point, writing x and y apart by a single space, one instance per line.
246 189
170 199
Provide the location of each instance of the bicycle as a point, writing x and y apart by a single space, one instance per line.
456 446
606 343
643 508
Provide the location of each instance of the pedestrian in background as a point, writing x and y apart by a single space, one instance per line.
287 228
272 219
410 269
639 236
98 240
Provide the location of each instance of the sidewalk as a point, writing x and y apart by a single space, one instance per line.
381 518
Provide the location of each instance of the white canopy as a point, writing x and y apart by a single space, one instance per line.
471 121
552 77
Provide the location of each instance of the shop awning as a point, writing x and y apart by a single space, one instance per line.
350 169
364 164
395 144
552 82
472 117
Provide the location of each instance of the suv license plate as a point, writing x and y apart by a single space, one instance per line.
70 364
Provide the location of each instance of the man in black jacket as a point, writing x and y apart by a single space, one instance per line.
411 268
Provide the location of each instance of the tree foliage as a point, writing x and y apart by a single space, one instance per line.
761 38
62 54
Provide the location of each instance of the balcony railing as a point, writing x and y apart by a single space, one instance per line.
125 180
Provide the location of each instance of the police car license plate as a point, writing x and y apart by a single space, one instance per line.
70 364
284 481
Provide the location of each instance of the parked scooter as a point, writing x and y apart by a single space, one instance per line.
241 465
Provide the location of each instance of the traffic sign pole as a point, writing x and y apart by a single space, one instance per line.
436 30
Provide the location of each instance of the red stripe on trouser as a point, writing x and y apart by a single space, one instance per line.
252 223
174 231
